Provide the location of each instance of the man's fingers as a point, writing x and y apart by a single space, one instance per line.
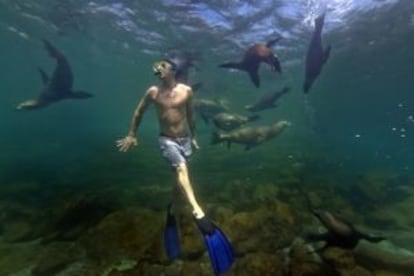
121 145
119 142
195 145
125 144
121 148
125 148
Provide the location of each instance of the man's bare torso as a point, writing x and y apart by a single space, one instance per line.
171 106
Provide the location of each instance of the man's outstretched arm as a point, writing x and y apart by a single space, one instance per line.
138 113
131 140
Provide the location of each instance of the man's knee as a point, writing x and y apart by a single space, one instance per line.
181 167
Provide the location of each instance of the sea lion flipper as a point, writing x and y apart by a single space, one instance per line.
43 76
326 53
53 52
316 237
215 137
275 63
233 65
375 239
370 237
273 42
307 85
254 76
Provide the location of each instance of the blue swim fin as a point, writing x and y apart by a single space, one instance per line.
219 248
171 239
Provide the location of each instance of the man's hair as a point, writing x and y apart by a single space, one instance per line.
172 63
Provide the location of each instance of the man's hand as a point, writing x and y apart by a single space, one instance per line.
126 143
194 144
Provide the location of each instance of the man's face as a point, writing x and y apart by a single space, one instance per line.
162 69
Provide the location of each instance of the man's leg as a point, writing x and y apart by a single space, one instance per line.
219 248
183 180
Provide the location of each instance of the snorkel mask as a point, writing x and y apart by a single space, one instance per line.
164 65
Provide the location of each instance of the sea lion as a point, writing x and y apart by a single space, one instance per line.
230 121
267 101
178 69
57 88
340 233
207 109
253 57
183 62
250 136
316 56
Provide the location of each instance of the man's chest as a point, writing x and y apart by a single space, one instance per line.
171 99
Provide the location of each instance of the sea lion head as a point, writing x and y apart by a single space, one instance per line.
283 124
164 68
333 223
27 105
322 215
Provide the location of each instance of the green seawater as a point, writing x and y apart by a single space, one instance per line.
350 142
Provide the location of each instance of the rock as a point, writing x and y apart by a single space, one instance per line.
274 225
147 269
20 224
56 257
339 258
76 215
265 193
121 267
193 268
131 234
20 230
360 271
385 256
19 257
258 264
303 263
192 243
377 188
76 269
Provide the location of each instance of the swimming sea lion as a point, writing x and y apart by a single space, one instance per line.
252 58
267 101
207 109
316 56
250 136
230 121
57 88
183 62
340 233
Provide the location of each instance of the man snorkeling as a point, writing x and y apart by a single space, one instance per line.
173 103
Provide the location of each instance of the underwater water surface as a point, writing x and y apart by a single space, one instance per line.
66 190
